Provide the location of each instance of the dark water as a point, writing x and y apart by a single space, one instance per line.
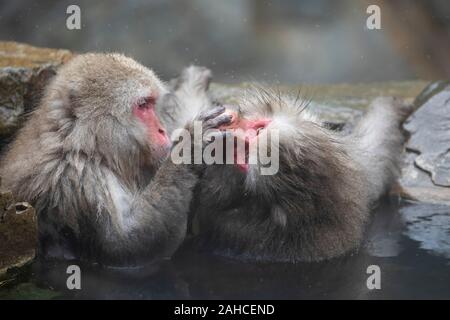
409 242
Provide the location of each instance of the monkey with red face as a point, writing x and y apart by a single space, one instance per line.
316 204
93 160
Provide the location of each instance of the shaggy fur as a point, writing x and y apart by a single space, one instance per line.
317 205
187 98
102 191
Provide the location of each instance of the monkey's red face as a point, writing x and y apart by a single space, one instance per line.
144 110
247 130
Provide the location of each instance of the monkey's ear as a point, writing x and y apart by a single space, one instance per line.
278 215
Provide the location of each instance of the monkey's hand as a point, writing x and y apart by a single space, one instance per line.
214 118
207 123
206 126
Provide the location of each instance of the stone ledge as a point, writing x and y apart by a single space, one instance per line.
19 55
18 233
24 72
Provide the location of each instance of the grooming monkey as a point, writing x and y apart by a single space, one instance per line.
92 159
318 203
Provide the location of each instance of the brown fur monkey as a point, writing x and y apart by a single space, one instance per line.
317 205
93 161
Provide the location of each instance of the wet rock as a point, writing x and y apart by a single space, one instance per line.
426 174
18 233
416 184
29 291
24 71
430 133
438 165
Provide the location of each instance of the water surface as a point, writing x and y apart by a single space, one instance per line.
410 242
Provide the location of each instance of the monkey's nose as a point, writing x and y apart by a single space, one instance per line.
252 128
257 124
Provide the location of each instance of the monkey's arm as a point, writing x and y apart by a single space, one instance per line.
158 215
122 227
153 222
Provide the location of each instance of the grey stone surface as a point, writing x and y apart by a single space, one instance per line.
426 174
24 71
430 135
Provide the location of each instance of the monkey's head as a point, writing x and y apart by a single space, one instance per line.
103 107
287 150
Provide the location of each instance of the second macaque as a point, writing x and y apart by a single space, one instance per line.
317 205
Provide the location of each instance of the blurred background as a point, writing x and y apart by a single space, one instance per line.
288 41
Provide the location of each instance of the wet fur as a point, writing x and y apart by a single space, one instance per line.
103 192
318 204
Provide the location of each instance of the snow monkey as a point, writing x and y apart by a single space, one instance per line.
317 205
93 160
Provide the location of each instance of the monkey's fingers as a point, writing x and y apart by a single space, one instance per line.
216 122
211 113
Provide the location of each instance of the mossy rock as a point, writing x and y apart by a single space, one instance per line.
18 233
24 72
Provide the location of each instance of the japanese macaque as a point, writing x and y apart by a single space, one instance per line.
93 160
317 205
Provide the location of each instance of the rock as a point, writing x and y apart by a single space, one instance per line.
24 71
416 184
426 174
29 291
438 164
18 233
